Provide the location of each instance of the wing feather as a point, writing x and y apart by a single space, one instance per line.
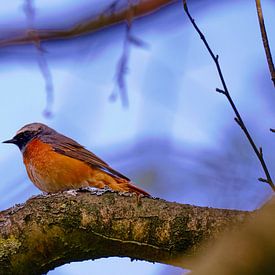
68 147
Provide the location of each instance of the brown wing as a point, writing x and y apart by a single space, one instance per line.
68 147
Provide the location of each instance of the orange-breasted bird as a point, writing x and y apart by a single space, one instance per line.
55 162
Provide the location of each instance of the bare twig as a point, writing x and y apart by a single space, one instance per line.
42 62
265 41
225 91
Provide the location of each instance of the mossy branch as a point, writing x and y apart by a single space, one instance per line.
50 230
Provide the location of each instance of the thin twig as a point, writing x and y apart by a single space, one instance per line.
265 41
225 91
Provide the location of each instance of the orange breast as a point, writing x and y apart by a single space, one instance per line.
53 172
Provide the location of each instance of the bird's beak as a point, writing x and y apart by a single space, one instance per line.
13 140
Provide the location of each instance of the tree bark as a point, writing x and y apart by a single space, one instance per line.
50 230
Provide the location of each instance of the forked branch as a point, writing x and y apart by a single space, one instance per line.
258 150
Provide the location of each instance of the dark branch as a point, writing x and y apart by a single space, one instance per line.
225 91
263 180
265 41
48 231
220 91
261 151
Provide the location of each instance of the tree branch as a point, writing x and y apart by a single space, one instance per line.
107 18
265 41
42 62
249 250
225 92
50 230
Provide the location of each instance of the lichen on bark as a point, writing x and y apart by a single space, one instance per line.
50 230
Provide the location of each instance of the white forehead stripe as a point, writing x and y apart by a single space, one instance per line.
32 127
20 131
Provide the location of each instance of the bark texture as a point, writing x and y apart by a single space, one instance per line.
50 230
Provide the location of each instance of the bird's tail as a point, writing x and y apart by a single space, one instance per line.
129 187
139 191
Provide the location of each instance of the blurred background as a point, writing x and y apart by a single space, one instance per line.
143 99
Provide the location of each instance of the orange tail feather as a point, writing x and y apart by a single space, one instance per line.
129 187
133 188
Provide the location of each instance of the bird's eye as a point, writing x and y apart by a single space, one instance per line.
27 133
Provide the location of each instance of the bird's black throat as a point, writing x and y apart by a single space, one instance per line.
22 139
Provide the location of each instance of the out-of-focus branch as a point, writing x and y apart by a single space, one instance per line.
42 62
265 41
122 65
105 19
225 92
50 230
250 250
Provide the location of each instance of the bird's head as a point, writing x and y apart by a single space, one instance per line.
28 133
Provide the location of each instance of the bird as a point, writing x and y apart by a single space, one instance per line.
57 163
